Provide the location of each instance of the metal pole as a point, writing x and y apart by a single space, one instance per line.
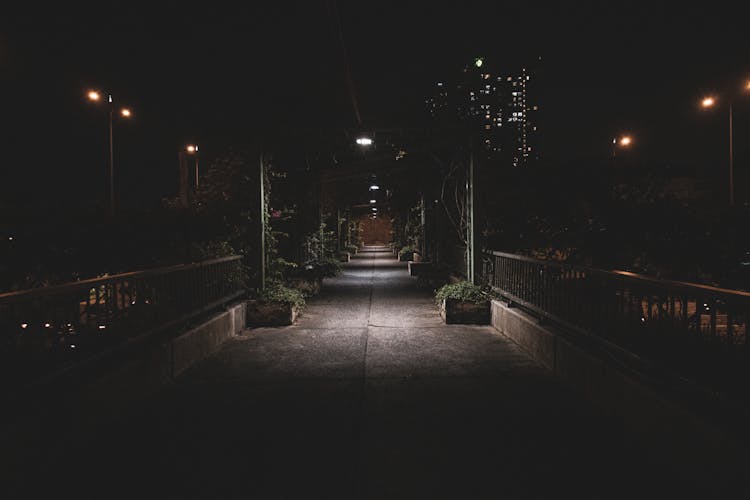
262 218
731 159
423 226
470 250
111 161
196 171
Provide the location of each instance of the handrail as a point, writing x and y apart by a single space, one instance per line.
47 329
92 282
627 274
699 331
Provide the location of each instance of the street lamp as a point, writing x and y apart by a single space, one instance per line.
364 141
192 149
623 141
709 102
96 96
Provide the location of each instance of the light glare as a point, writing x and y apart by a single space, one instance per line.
93 95
707 102
364 141
125 112
374 187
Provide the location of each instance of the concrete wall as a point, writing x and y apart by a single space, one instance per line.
136 370
675 432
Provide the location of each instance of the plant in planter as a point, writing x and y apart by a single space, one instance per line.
407 253
276 305
464 303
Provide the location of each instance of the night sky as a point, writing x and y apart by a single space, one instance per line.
219 73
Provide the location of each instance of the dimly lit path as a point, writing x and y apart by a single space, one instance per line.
370 396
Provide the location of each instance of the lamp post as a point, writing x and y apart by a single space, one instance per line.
623 141
96 96
709 102
192 149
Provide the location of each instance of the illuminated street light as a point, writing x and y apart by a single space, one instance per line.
624 141
96 96
478 62
364 141
373 201
710 101
707 102
192 149
374 187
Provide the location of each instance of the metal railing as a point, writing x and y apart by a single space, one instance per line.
46 329
699 332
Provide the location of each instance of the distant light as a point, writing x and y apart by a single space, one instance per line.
72 346
24 325
374 209
373 201
707 102
478 62
626 140
93 95
364 141
125 112
10 238
374 187
192 148
47 325
102 327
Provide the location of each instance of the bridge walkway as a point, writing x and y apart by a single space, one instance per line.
368 396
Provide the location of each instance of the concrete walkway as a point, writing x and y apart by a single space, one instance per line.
369 396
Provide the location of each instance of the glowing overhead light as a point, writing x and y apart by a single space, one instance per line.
374 187
192 148
373 201
626 140
707 102
374 209
93 95
364 141
478 62
24 325
125 112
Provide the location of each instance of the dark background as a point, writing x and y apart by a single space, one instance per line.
219 74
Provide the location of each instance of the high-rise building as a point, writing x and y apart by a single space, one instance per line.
502 108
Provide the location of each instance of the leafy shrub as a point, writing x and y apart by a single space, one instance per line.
464 291
276 292
406 249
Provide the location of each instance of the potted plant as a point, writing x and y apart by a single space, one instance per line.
276 305
464 303
406 254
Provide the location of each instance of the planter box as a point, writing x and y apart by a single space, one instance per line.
308 287
270 313
419 268
406 256
457 312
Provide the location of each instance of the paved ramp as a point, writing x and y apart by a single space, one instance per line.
369 396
